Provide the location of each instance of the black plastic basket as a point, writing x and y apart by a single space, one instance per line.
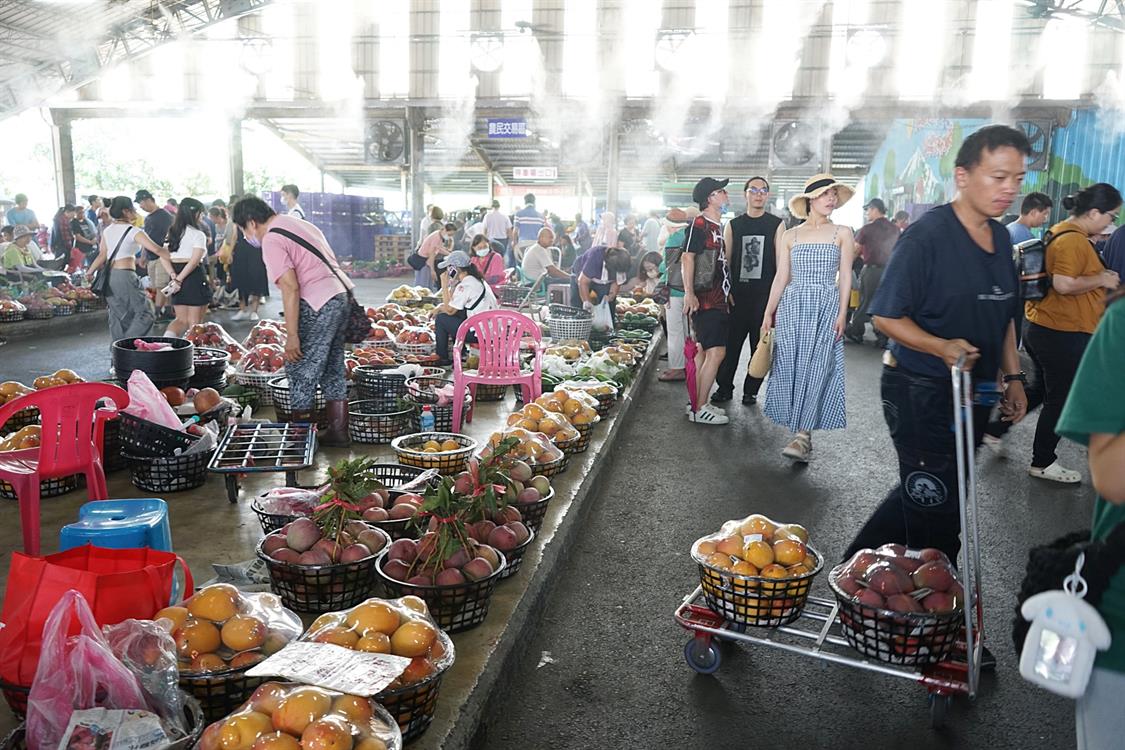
533 513
905 638
270 522
196 722
409 452
322 588
12 316
86 305
369 422
61 311
552 468
221 694
513 295
39 314
454 608
112 460
488 392
562 312
374 385
396 475
139 437
47 487
174 474
21 419
514 557
210 368
412 706
283 405
755 600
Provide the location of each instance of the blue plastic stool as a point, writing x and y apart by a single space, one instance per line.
120 524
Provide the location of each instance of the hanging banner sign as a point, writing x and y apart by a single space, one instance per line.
507 127
535 173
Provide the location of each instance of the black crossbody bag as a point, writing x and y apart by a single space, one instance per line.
358 326
100 284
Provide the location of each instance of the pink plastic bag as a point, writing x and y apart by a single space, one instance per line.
75 673
147 402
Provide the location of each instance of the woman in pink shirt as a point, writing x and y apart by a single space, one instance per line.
433 247
489 262
314 298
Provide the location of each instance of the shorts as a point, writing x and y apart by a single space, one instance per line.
710 328
158 275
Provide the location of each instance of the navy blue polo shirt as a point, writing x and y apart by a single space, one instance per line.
952 288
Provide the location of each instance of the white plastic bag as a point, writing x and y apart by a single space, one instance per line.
603 318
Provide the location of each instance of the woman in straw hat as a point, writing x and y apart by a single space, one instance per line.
809 300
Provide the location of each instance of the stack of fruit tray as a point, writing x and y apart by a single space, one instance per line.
264 446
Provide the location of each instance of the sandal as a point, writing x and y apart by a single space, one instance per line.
799 449
669 376
1056 473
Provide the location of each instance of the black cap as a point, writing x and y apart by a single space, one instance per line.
876 203
705 187
142 195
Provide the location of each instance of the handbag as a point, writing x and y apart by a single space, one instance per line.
100 284
358 325
762 359
119 584
416 261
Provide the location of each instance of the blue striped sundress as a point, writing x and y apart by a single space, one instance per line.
805 390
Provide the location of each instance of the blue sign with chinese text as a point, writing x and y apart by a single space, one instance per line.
507 127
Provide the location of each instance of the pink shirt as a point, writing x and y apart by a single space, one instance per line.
431 244
317 283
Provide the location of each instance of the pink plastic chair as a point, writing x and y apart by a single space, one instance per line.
70 442
499 334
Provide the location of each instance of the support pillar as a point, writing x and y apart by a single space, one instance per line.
491 186
416 121
613 170
62 145
237 174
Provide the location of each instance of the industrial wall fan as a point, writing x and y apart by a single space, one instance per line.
795 144
1038 134
386 142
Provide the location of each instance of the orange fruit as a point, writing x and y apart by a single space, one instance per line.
758 553
373 616
788 551
216 603
413 638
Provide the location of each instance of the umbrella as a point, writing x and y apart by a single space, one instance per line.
690 349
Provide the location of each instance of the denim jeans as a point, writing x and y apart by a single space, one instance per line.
922 510
445 328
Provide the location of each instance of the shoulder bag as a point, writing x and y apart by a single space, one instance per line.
358 326
704 274
100 284
1031 265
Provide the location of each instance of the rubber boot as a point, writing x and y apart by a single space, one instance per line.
298 415
337 432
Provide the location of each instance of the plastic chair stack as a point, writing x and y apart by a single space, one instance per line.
72 429
499 334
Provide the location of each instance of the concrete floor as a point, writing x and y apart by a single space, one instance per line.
615 676
606 668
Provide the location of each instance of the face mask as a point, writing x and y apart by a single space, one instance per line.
653 274
483 252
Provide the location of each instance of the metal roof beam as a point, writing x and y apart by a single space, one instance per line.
308 155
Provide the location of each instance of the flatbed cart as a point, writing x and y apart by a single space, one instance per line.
256 447
817 630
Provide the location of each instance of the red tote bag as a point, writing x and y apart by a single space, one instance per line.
118 584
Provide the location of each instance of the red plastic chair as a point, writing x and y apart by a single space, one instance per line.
499 335
70 442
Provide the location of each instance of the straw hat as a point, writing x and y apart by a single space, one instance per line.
814 187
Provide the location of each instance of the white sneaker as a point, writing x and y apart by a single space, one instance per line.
708 415
240 315
254 316
996 445
1056 473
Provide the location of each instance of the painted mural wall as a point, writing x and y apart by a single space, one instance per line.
913 169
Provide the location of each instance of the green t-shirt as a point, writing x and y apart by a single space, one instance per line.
13 256
1097 405
676 239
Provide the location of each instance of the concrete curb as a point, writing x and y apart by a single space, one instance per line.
64 324
470 729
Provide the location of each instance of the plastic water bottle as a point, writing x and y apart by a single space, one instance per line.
426 421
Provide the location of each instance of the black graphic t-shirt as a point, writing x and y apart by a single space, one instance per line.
753 258
951 287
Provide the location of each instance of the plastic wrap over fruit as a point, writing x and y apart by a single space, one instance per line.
148 650
402 627
595 388
213 335
266 332
288 716
415 335
221 628
302 542
263 358
289 501
908 581
577 405
535 417
758 546
533 447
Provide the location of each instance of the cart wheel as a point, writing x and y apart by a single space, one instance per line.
232 488
939 704
702 655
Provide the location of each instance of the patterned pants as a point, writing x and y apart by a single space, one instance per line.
322 354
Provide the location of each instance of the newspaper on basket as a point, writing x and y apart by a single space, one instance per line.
333 667
114 729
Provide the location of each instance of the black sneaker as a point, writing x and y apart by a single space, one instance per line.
722 396
853 338
987 660
749 398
